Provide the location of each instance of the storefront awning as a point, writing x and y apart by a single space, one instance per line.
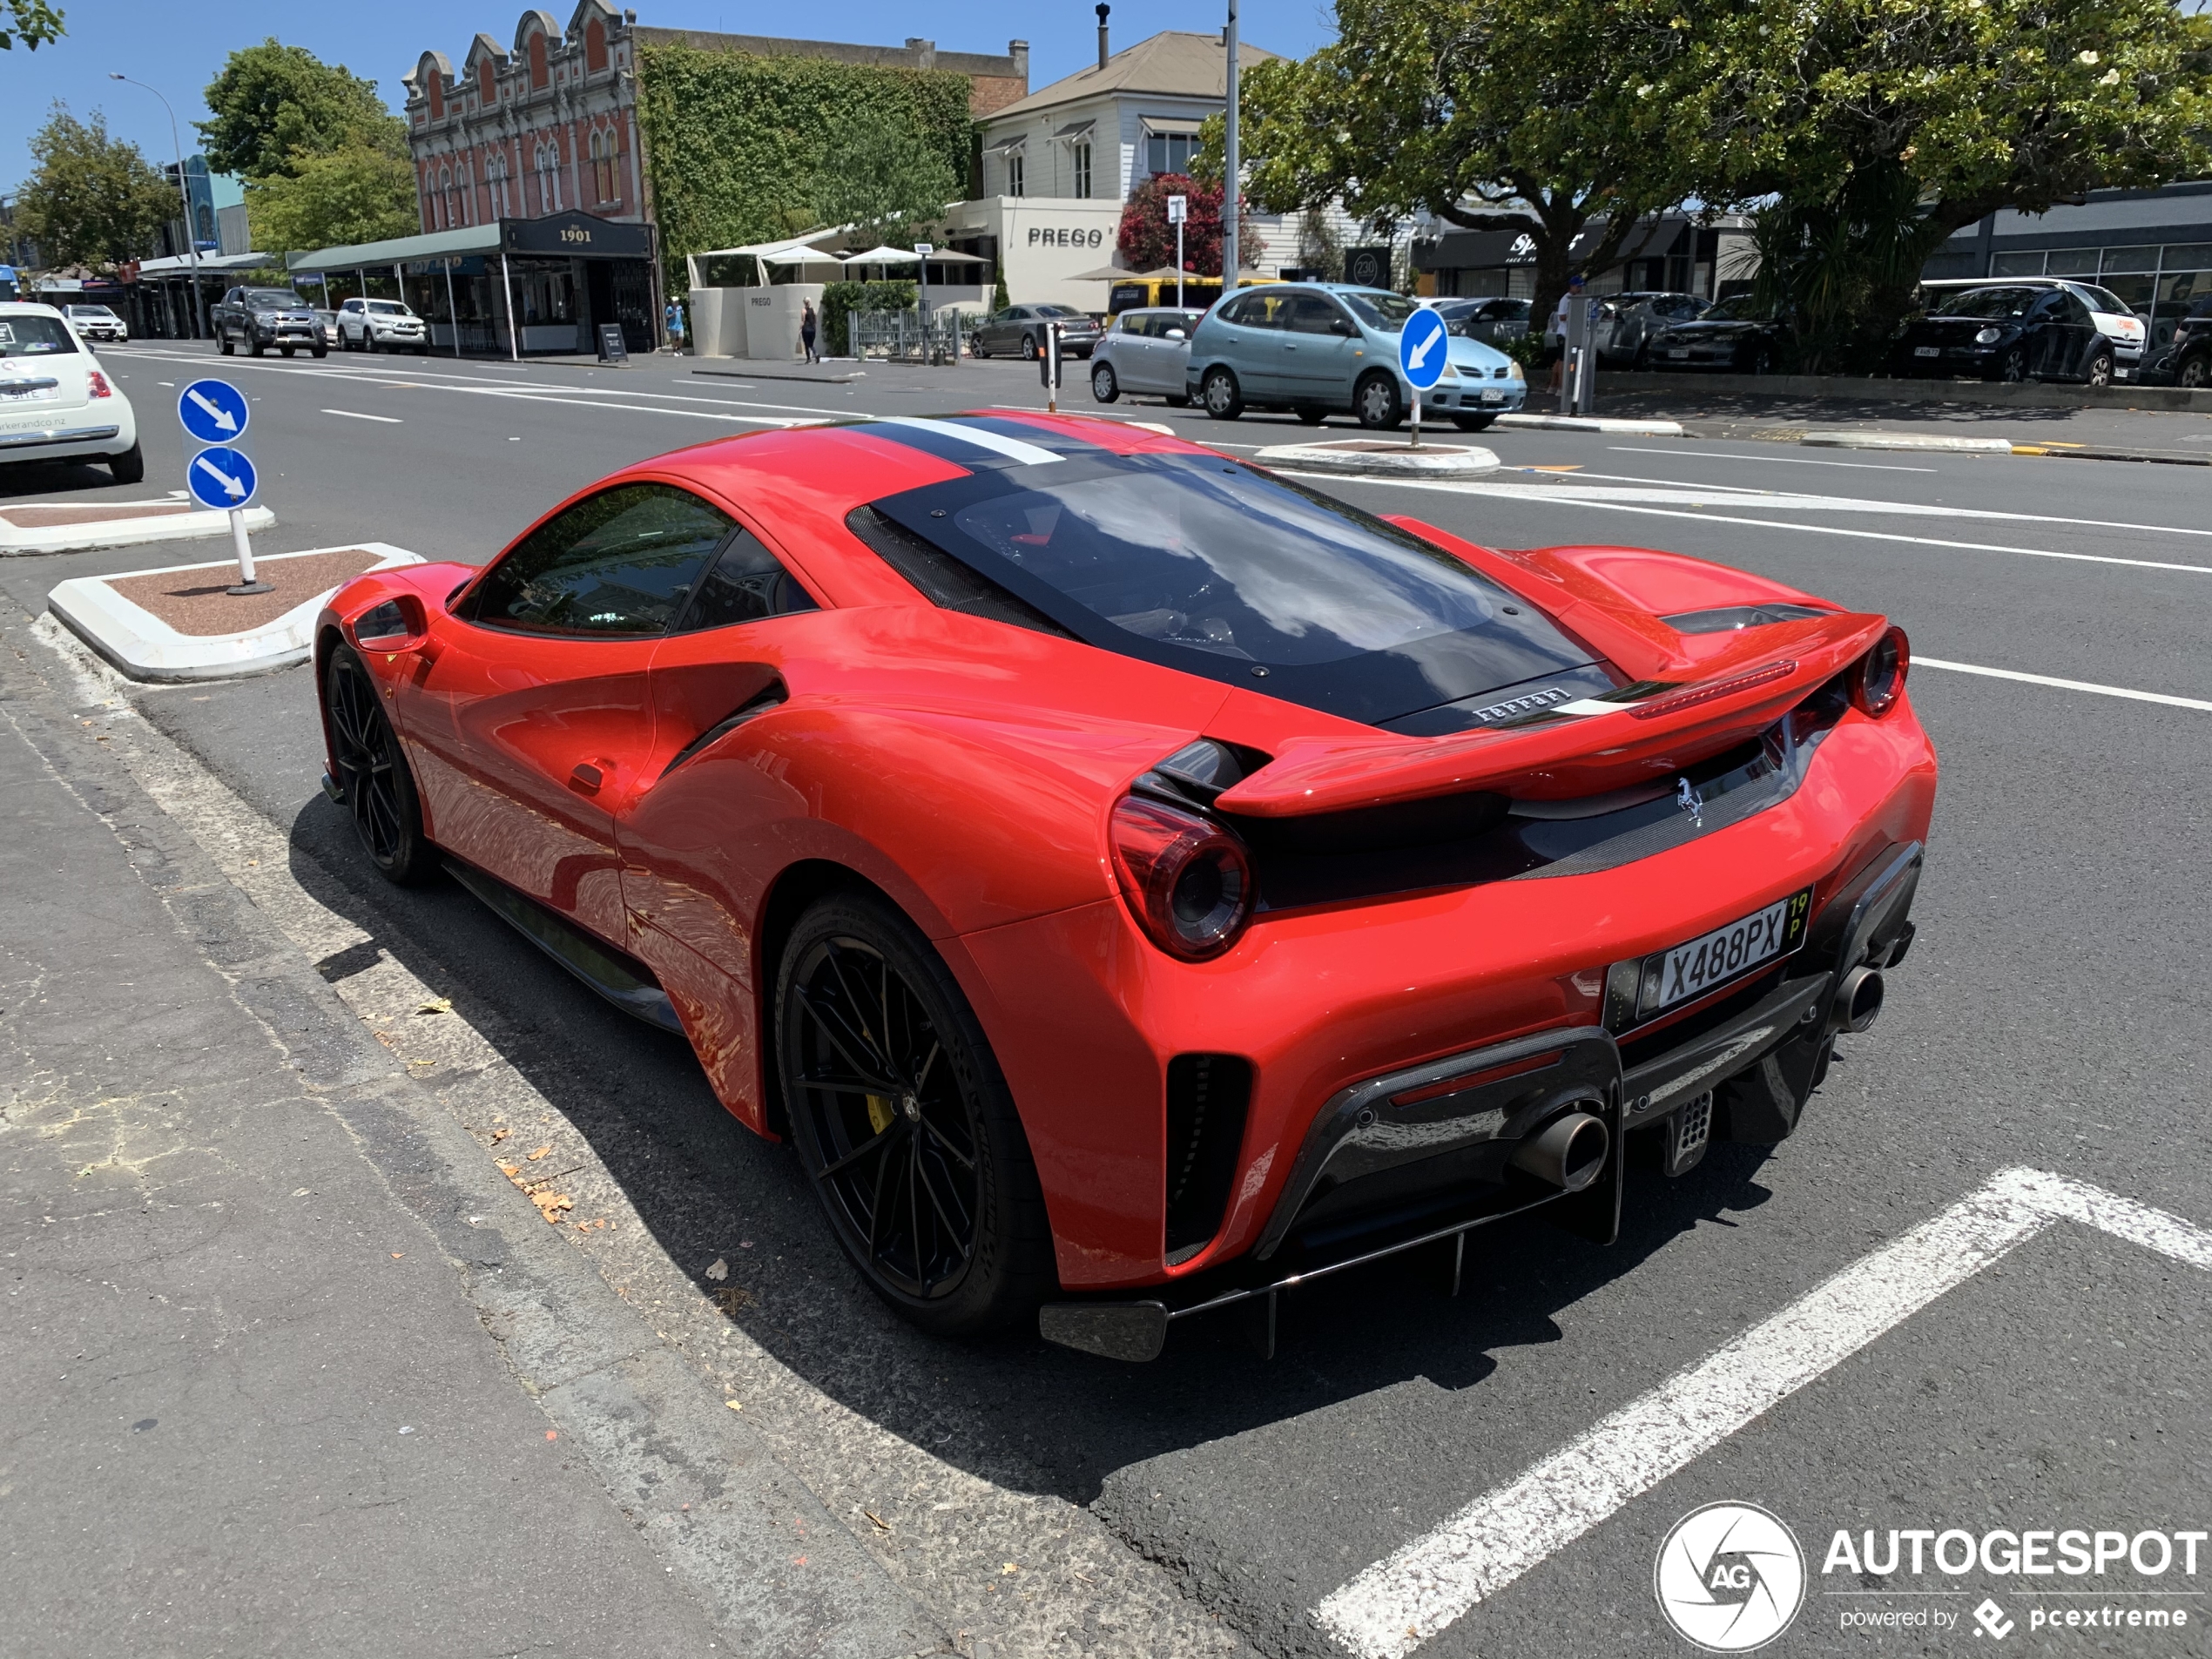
210 265
575 234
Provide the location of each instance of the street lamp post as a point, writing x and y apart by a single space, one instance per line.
197 311
1231 195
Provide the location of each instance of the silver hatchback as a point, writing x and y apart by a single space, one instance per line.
1145 351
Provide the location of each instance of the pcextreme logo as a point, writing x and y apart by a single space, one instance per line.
1730 1577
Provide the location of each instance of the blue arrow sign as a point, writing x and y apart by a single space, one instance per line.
213 411
1422 349
220 478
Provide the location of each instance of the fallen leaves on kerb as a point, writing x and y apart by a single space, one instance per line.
549 1203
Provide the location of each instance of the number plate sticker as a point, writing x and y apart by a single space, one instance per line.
1682 972
1927 351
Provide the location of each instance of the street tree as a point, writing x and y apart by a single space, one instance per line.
881 176
1147 240
273 104
1871 130
1492 114
33 22
360 193
91 200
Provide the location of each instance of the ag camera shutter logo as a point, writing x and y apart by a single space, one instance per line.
1730 1577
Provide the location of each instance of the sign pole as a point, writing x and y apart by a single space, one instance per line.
1417 419
247 582
1178 211
1052 369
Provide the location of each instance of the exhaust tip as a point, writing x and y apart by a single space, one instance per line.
1859 999
1569 1152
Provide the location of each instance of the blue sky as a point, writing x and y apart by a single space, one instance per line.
179 48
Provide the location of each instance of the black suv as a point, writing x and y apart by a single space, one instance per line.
260 318
2186 357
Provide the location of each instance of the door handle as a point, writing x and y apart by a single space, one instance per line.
586 777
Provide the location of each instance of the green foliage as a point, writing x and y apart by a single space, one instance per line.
999 300
1884 126
841 299
1495 113
33 22
735 143
1147 240
91 200
359 193
275 104
880 174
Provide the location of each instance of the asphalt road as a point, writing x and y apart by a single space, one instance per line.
2050 1018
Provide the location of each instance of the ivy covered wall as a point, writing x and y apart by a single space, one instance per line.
733 142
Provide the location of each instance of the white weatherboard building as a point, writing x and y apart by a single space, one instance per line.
1058 165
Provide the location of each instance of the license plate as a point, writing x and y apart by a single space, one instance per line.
1927 351
1493 397
1678 351
1682 972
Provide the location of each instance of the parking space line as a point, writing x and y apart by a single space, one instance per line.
1919 661
1399 1602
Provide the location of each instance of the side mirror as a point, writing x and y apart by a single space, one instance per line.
1344 326
1176 334
397 624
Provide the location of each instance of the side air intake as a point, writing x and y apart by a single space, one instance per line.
1207 1097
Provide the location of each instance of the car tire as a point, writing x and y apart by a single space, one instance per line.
319 351
1759 361
253 346
285 350
977 1256
129 467
1310 413
1375 401
1474 423
225 345
2193 374
2012 367
1103 387
371 770
2098 376
369 341
1179 401
1222 397
1030 350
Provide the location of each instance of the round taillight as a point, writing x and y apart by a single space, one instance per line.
1878 678
1188 880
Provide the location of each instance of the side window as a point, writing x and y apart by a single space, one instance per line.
618 564
1311 314
745 585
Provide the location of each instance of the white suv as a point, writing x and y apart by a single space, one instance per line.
54 402
382 325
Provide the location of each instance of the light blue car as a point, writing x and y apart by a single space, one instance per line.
1318 348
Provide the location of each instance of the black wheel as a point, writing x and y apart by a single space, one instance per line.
129 467
2192 375
1219 392
1179 401
904 1124
253 347
285 350
2098 376
1474 423
368 340
321 350
372 772
1103 387
1375 401
224 344
2012 366
1310 413
1031 349
1759 361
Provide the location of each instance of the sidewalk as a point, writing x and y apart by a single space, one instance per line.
254 1403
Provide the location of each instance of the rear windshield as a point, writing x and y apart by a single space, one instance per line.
273 298
1238 575
33 336
1990 302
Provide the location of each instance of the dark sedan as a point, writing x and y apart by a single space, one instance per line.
1019 331
2185 357
1736 335
2003 333
1488 320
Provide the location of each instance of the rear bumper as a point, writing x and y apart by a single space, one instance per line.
78 438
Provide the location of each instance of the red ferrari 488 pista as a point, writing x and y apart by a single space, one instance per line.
1130 878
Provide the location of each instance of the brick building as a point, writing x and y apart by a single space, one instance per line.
550 124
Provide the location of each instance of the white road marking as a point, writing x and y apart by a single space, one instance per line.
1397 1604
1030 454
1919 661
1583 499
355 414
1786 461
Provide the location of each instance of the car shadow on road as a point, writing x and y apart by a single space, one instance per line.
1013 1409
19 479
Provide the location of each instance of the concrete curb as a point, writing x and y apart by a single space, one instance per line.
1369 458
1906 440
603 1377
1594 423
2101 452
17 541
145 648
779 375
2024 394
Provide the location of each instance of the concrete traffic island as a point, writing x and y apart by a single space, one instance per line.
1907 440
1381 458
77 527
180 623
